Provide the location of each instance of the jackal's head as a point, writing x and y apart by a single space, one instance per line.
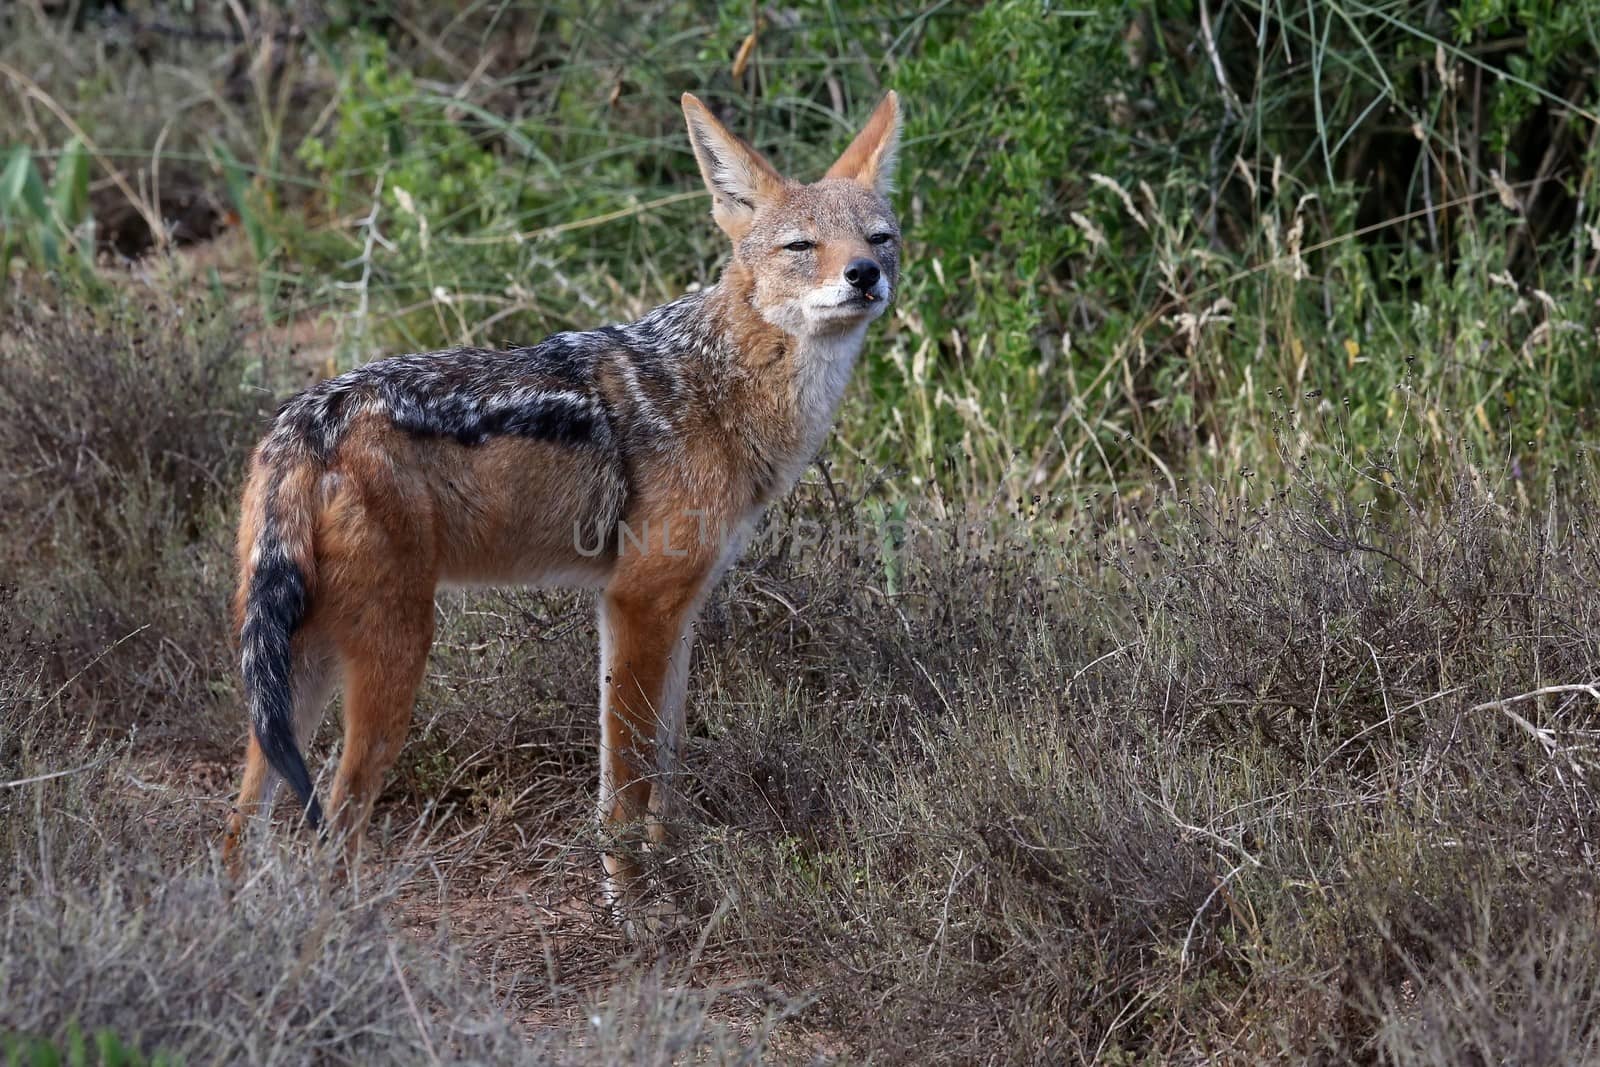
823 257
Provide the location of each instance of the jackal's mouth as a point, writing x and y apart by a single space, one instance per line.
861 298
848 307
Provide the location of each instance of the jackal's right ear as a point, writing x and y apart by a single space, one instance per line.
738 177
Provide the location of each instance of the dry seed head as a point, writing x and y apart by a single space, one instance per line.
1508 197
1449 77
1245 172
1091 232
1127 201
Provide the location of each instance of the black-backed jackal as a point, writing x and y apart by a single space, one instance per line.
633 459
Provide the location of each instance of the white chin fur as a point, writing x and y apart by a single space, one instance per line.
835 306
827 310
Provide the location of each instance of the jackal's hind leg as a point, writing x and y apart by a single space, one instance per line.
385 655
312 677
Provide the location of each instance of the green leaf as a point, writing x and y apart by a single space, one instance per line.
21 186
77 1047
9 177
9 192
69 188
238 182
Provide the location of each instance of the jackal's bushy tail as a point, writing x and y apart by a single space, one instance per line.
279 569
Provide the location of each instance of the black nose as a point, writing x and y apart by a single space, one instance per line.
863 274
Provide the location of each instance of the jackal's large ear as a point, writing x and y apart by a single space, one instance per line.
870 158
737 175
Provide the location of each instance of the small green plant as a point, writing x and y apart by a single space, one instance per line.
75 1049
49 225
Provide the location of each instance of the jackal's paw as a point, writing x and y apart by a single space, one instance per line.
643 915
652 921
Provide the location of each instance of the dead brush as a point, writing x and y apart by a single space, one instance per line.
122 429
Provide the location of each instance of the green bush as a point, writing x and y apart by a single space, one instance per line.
1133 231
1132 236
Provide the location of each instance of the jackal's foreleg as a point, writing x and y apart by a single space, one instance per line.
645 641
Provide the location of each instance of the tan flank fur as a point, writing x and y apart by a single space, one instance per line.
633 459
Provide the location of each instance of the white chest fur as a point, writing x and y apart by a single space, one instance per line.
823 363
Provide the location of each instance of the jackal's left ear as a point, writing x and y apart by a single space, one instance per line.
870 158
737 175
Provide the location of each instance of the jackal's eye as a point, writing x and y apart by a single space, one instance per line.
880 238
800 246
